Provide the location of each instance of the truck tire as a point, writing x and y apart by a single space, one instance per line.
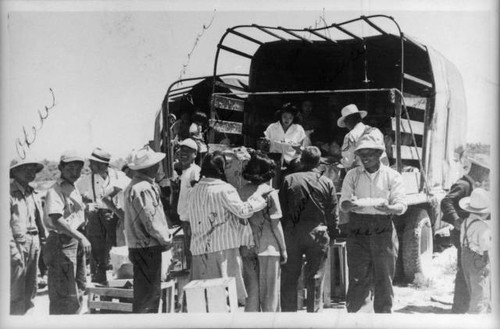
417 245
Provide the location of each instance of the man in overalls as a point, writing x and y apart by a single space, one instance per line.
476 175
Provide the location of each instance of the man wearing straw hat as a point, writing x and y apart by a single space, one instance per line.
475 239
352 119
372 194
146 229
64 215
100 190
25 228
476 174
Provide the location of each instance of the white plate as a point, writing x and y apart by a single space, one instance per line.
370 202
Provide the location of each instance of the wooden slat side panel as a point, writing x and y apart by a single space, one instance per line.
415 101
408 152
226 127
227 103
416 127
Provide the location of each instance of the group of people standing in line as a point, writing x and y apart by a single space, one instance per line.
256 234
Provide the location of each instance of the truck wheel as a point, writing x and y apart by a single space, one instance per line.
417 245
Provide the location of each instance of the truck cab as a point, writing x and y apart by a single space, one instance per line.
411 93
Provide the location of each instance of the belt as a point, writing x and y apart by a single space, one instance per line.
371 216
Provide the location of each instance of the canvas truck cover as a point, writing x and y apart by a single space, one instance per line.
447 125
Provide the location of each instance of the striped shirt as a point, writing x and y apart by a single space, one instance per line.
386 183
216 213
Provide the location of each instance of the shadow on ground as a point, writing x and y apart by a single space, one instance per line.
411 309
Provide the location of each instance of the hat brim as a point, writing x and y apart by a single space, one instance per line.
341 121
464 203
157 157
372 146
93 158
39 165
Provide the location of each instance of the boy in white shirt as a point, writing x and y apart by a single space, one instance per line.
476 242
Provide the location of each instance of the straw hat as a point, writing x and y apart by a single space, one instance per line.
16 163
99 155
478 202
145 158
347 111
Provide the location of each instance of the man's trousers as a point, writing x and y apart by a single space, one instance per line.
147 279
101 233
461 297
23 277
61 259
372 249
314 244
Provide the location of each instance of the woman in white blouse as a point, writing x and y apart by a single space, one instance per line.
286 136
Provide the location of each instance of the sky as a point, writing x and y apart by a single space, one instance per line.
110 67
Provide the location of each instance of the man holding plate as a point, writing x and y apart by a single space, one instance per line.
371 194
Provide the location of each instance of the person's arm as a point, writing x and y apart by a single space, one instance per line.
16 253
183 203
347 192
62 226
275 215
283 199
147 207
450 215
347 152
232 202
332 212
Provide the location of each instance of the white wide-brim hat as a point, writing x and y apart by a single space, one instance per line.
188 142
145 158
347 111
478 202
16 163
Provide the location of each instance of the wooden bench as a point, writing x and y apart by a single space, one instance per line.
119 299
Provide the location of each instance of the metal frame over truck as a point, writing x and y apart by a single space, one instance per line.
412 93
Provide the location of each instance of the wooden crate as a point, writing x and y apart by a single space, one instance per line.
211 296
113 299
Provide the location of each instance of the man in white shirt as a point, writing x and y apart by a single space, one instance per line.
371 193
102 191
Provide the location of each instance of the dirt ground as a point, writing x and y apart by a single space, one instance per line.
433 295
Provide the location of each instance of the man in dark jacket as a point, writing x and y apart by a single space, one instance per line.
310 217
453 214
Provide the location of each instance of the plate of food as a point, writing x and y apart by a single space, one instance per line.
370 202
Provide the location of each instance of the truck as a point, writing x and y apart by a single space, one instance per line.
412 93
